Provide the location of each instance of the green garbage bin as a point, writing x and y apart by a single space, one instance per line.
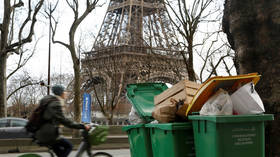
139 140
230 136
172 139
141 96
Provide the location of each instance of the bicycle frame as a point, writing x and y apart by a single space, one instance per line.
84 145
82 148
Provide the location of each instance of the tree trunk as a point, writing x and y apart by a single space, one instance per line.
3 85
253 30
110 120
191 73
77 91
3 58
111 117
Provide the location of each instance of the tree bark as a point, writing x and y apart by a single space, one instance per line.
77 91
253 30
3 58
190 69
3 85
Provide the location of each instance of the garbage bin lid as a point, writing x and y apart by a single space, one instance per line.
141 96
208 88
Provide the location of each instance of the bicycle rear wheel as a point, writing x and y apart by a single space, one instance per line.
101 154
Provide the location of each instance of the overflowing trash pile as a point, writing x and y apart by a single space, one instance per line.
231 95
190 119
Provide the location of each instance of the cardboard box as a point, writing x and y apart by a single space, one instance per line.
183 90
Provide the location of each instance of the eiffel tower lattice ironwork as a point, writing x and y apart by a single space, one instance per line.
136 43
137 38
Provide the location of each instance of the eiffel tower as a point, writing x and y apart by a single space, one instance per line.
136 43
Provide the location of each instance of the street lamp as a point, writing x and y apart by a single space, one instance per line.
49 13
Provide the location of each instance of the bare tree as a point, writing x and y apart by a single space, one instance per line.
25 78
71 46
215 55
108 92
22 81
16 103
9 44
186 16
25 91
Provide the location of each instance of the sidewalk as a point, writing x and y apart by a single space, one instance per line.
26 145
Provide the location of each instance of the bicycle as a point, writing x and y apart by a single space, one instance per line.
96 135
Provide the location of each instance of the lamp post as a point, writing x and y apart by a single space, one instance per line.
49 13
49 60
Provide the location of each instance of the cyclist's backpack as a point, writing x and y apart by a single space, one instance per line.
36 120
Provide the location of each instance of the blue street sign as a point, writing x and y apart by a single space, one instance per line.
86 113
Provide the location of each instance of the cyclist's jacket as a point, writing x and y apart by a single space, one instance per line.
54 116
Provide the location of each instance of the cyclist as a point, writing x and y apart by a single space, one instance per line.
48 134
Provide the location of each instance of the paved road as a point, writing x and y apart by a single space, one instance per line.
114 152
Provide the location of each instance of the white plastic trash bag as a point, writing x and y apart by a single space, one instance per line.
134 118
246 100
219 104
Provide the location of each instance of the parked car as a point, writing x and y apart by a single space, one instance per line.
12 127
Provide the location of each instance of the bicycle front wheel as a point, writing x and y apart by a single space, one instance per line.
101 154
30 155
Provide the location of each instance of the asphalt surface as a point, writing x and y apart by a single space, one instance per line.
113 152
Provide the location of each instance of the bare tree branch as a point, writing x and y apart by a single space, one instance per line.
11 33
186 20
99 102
215 67
21 63
21 87
227 68
31 29
17 5
53 28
